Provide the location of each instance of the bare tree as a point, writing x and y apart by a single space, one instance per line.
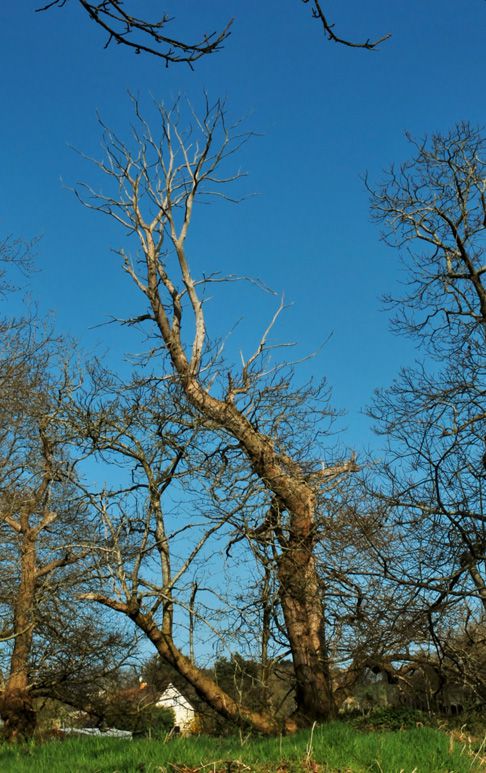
14 254
43 523
157 185
433 208
77 654
435 476
434 415
160 537
151 36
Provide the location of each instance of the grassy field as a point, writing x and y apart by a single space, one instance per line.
337 747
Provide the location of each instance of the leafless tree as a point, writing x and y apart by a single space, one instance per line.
159 536
151 36
77 654
433 416
435 477
460 655
156 186
44 525
14 254
433 208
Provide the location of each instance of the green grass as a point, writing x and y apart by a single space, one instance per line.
334 747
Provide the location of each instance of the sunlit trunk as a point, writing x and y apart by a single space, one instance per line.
299 588
302 607
205 687
16 705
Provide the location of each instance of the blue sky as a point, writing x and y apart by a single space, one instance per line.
325 115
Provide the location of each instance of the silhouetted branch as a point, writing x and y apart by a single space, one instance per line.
318 13
144 35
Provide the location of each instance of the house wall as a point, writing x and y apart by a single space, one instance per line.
184 713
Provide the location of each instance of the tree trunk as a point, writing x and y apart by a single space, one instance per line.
16 709
300 595
16 706
302 606
479 583
205 687
265 662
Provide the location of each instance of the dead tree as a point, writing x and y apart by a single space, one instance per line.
157 185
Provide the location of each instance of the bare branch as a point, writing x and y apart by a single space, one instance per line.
145 36
328 27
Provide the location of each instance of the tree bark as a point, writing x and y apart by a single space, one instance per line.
173 186
302 606
16 705
205 687
479 583
300 593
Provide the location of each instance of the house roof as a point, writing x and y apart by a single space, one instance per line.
172 695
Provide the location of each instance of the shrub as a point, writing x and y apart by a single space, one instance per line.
139 715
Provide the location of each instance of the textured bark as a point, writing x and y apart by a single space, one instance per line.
205 687
479 583
16 708
302 605
17 712
174 296
299 583
300 593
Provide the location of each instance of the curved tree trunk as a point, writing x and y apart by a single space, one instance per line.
207 689
299 587
301 600
173 183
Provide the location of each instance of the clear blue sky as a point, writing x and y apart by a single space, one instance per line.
325 115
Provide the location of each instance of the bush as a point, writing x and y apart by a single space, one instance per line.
391 719
140 716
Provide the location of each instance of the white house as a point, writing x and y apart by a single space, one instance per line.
184 712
